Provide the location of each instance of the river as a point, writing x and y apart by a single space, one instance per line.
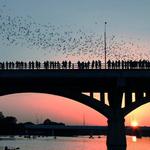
70 143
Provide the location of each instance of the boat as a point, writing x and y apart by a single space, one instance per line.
91 137
12 148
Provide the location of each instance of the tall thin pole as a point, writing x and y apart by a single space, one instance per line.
105 44
83 119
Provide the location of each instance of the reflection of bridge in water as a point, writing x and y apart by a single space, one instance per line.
126 90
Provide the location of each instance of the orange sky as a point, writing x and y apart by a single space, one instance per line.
37 107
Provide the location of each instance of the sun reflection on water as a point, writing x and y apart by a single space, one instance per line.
134 138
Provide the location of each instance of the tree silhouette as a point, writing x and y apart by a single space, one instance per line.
47 122
1 116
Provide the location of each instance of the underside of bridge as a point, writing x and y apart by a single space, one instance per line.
118 94
120 103
115 106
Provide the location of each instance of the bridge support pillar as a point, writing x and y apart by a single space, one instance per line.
116 138
102 97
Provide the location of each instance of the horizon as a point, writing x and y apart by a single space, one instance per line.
53 121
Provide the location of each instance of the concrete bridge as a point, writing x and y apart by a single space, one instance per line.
126 91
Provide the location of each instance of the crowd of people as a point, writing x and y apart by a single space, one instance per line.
50 65
120 64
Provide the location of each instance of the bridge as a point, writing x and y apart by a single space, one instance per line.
126 90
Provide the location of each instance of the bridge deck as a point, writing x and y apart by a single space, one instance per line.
84 79
90 73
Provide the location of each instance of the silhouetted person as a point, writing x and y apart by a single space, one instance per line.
122 64
99 64
109 64
6 148
70 64
93 63
58 65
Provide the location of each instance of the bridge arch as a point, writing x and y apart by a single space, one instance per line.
139 115
75 96
135 105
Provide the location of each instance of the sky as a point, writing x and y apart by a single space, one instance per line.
72 30
68 20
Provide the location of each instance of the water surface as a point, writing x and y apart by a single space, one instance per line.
70 143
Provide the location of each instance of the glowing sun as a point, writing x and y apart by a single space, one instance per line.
134 123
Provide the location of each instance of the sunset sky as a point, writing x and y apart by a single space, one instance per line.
81 21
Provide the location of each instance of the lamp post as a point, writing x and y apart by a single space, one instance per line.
105 44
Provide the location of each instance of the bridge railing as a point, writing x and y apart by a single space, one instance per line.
55 65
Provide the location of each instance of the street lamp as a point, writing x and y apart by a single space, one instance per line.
105 44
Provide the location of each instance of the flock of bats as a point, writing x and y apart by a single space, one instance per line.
63 40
